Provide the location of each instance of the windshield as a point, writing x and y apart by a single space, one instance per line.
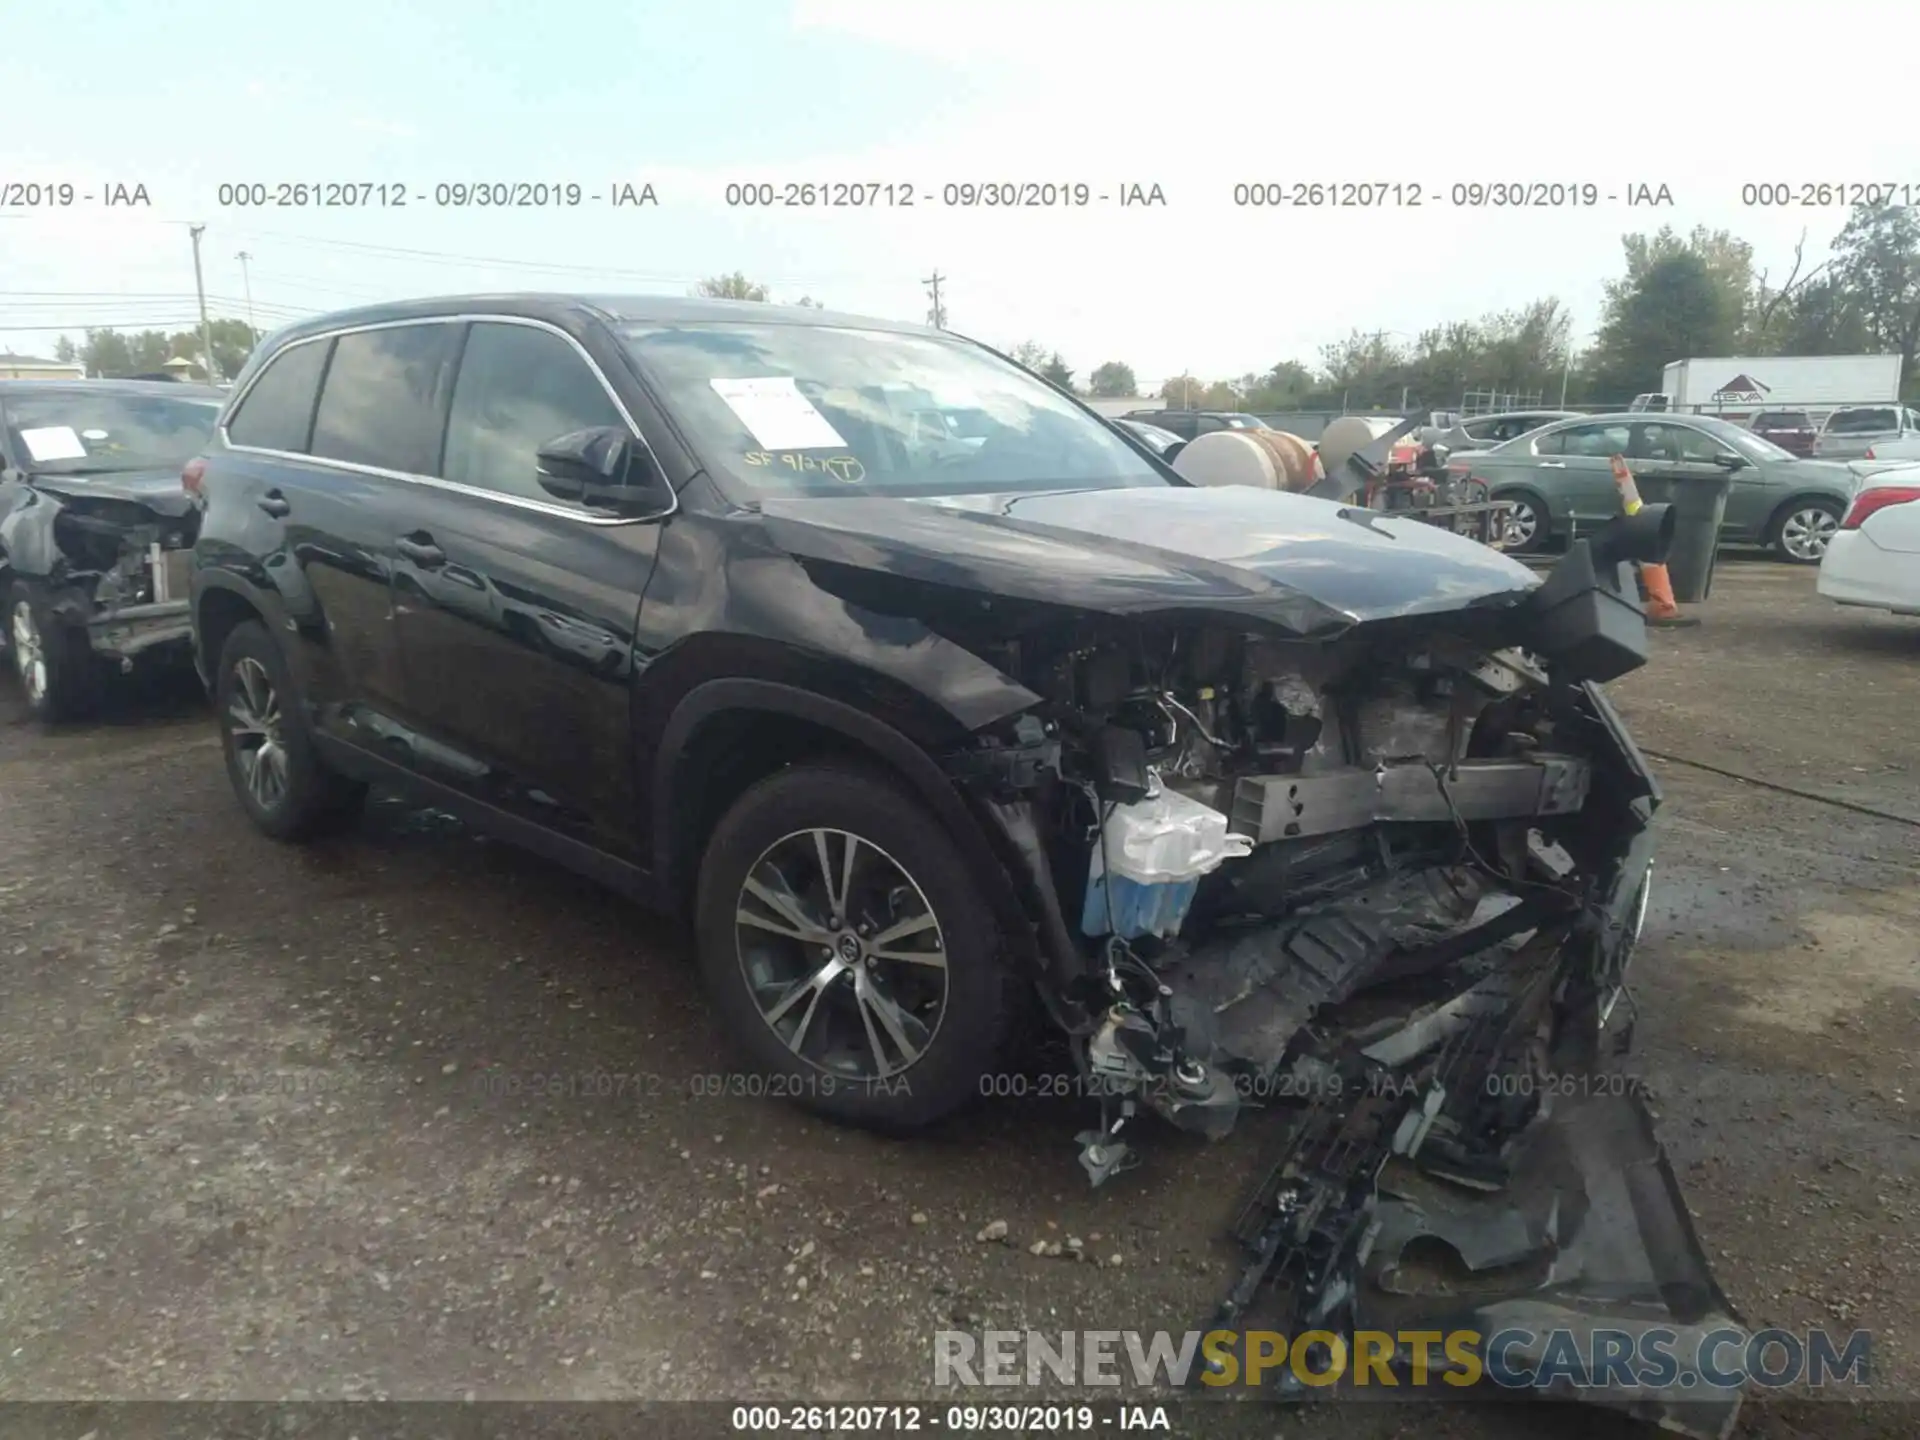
831 410
1861 422
99 432
1743 440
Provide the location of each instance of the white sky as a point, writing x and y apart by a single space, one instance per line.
1194 97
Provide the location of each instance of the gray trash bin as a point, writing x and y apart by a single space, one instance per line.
1699 507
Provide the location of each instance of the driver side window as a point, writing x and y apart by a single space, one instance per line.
518 388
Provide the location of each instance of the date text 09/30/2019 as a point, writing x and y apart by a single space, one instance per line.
393 194
1388 194
1002 194
953 1419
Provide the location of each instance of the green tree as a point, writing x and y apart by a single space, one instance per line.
1031 354
1366 369
1676 301
65 351
233 342
1877 262
1728 261
1184 391
807 302
111 353
1822 317
731 287
1112 379
1289 385
108 353
1056 370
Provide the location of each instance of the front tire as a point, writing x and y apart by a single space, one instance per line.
1801 533
849 951
278 776
58 672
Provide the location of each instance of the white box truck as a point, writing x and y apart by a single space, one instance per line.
1739 386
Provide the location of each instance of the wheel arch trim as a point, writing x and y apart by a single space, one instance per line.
676 860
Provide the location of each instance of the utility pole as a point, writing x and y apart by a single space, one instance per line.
200 285
938 314
246 282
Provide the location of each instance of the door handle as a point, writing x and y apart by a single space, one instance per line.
274 503
1553 464
420 549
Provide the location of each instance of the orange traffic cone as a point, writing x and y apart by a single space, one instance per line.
1661 608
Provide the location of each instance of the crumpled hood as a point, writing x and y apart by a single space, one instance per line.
158 490
1305 565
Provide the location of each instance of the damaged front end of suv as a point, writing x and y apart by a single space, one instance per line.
96 533
1373 849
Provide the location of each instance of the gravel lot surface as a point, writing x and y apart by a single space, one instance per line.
269 1129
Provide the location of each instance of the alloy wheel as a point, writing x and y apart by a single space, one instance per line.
1522 524
1805 534
29 652
254 725
842 954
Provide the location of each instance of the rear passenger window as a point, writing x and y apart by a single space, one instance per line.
377 406
518 388
277 411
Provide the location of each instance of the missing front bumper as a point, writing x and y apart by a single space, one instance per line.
132 631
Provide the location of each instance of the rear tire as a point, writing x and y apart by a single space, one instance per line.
287 790
821 1003
1802 530
1529 522
58 672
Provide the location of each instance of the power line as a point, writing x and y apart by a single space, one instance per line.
102 294
185 322
445 257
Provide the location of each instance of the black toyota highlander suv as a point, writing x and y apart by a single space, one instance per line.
932 697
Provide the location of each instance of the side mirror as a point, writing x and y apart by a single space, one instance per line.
605 469
1729 461
1172 452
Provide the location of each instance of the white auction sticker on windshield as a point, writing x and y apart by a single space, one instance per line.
777 414
53 442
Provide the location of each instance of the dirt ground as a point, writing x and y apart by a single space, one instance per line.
268 1129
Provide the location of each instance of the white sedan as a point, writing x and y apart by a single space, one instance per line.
1874 557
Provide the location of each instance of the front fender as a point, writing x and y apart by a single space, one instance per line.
675 855
27 546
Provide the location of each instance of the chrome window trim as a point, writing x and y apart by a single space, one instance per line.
434 481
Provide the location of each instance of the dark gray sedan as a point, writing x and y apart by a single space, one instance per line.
1559 479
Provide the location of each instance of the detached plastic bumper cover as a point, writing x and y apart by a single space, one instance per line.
1589 1250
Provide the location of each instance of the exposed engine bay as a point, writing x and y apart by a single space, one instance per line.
1406 812
111 558
1390 884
